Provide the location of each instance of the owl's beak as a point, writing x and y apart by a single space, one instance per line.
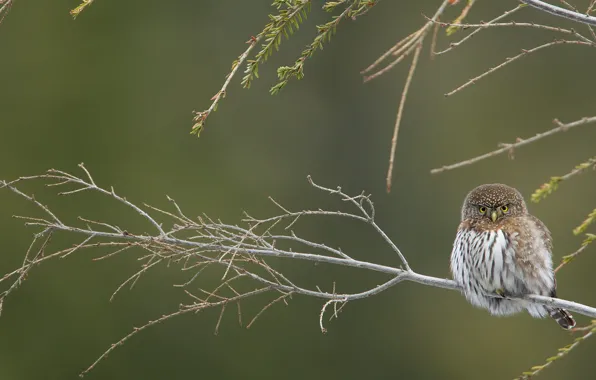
493 215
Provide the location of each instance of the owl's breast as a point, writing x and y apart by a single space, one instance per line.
487 257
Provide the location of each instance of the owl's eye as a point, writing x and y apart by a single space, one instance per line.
505 209
482 209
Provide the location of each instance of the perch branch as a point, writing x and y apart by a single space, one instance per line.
241 251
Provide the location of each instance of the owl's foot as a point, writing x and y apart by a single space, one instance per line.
501 293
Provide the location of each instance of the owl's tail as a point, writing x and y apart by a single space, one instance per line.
563 318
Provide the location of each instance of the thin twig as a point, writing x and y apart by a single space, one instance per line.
512 59
200 117
404 47
514 24
400 112
280 298
567 259
392 50
196 308
433 41
455 44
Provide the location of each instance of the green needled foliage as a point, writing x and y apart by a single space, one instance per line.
291 14
563 351
288 18
325 32
454 28
553 184
76 11
541 193
589 220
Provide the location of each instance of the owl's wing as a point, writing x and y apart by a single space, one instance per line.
546 237
540 276
532 253
548 242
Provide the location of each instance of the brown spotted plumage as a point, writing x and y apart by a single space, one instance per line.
500 249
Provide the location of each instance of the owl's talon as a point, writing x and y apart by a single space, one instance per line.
501 293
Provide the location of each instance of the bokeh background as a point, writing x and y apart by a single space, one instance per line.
115 89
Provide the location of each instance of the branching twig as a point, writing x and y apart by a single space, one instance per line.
403 47
504 15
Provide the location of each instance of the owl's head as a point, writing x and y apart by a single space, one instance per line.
492 203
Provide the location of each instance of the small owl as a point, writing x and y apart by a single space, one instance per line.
501 250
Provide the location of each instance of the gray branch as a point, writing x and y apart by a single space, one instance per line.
561 12
223 238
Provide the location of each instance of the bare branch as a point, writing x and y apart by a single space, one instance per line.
400 111
512 59
509 147
561 12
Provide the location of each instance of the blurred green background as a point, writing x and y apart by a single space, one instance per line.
115 89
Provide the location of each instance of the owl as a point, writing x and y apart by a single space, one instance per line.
501 250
